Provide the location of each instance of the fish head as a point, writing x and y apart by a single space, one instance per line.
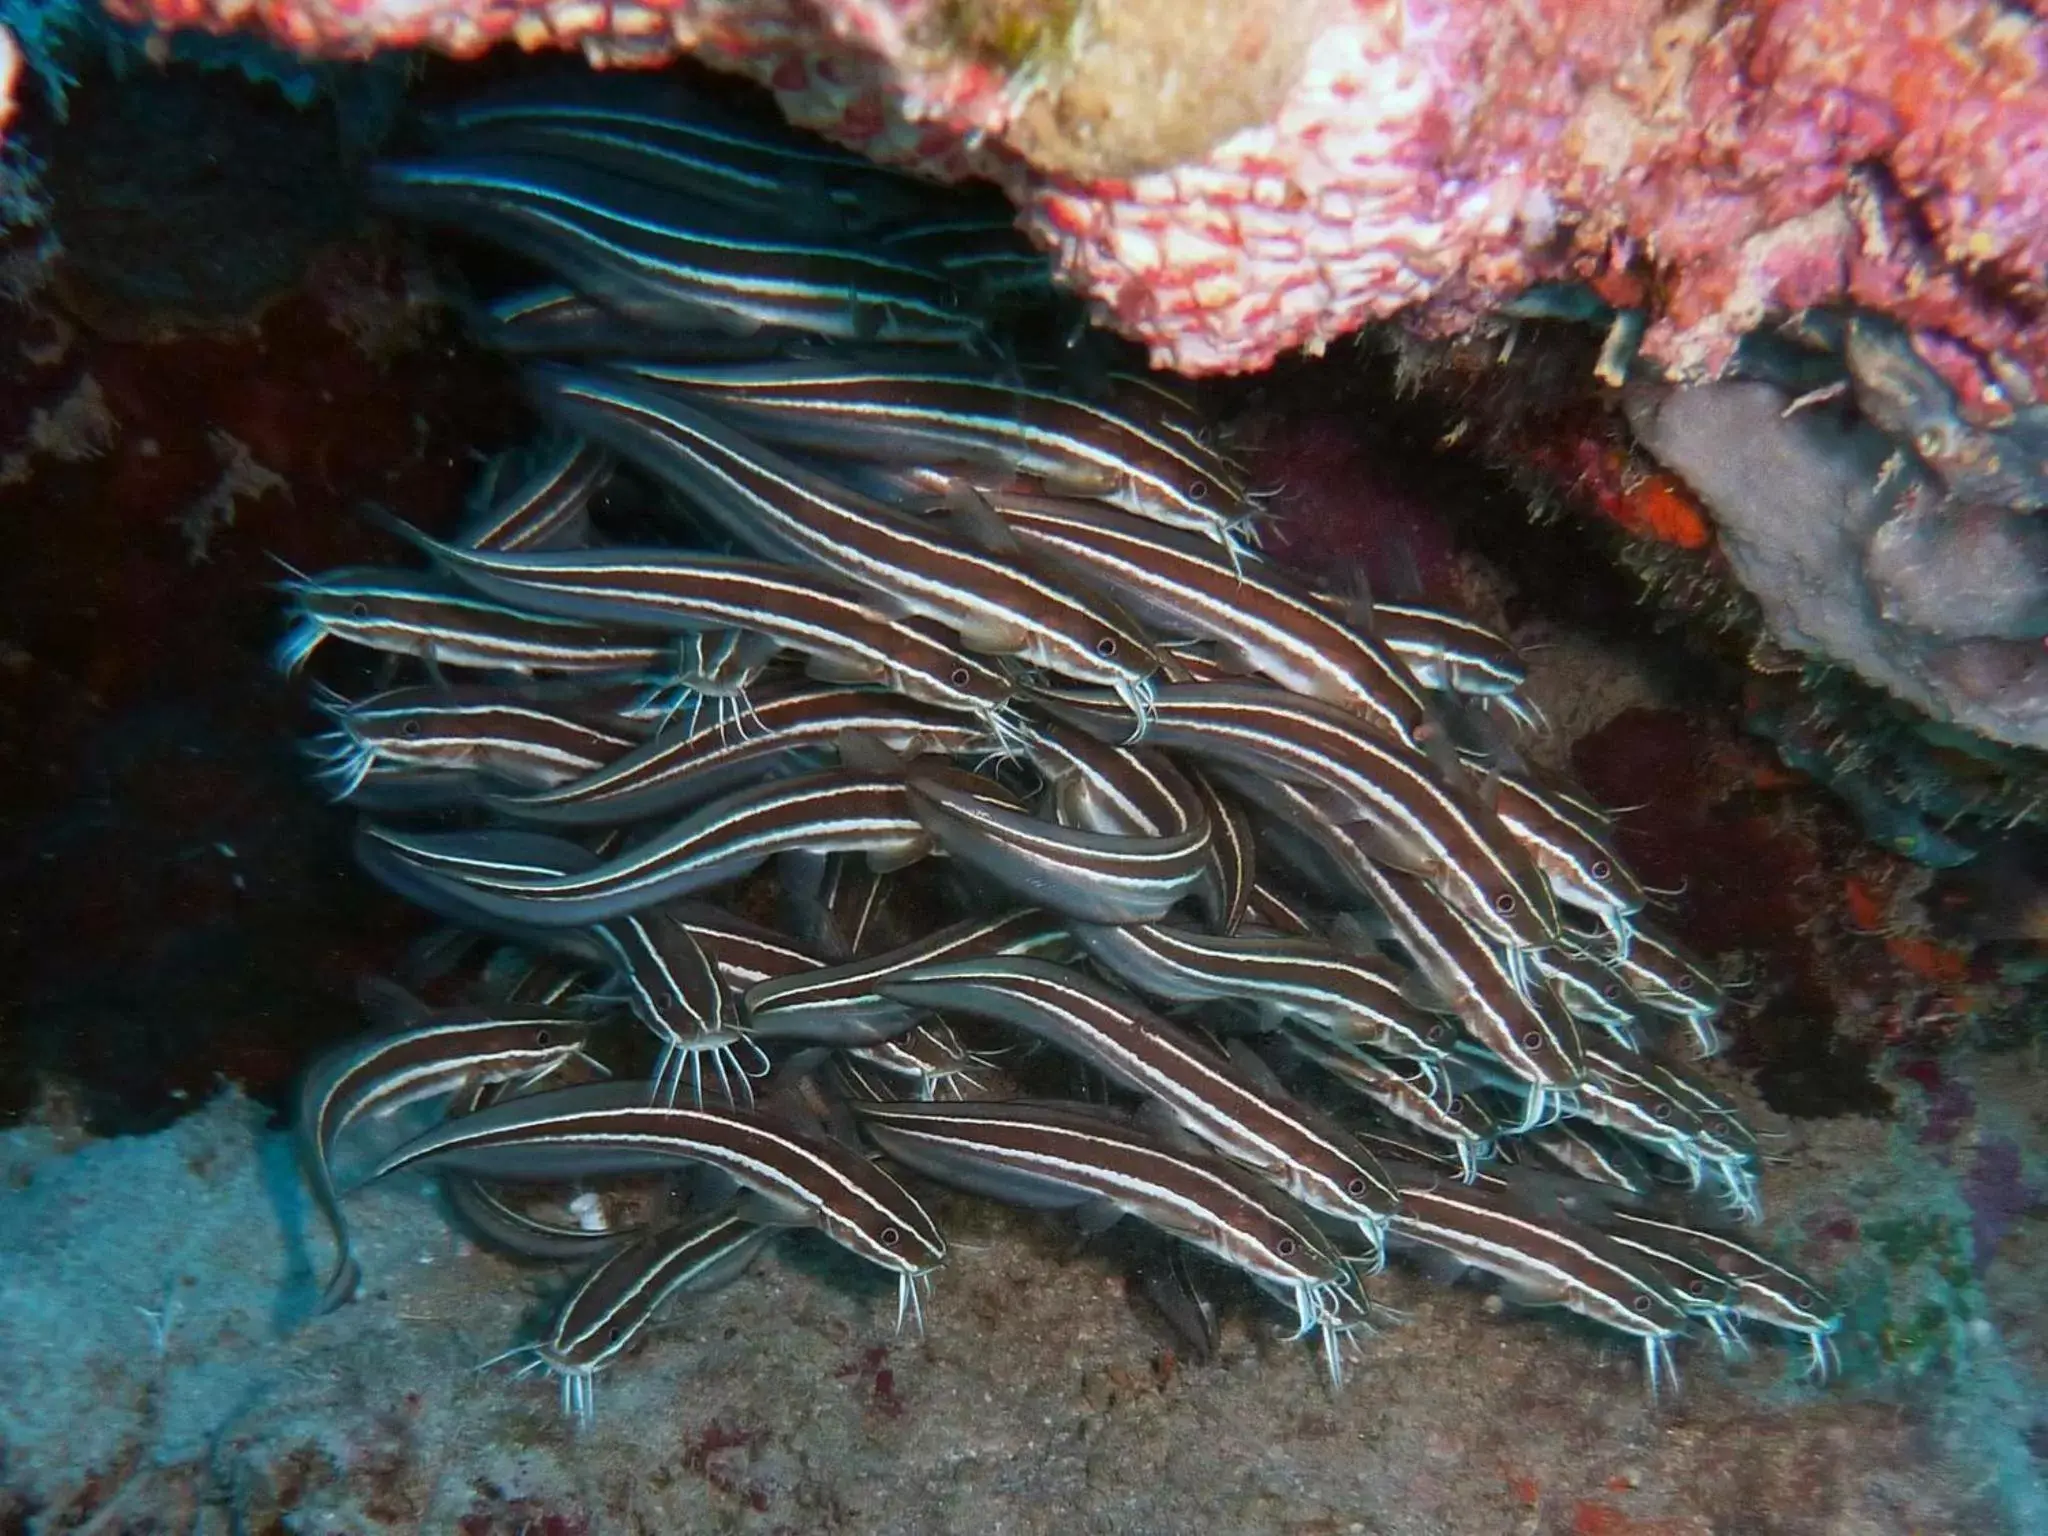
889 1228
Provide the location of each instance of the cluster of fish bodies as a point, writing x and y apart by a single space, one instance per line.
923 628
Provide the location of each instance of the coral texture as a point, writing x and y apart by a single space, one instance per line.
10 73
1272 181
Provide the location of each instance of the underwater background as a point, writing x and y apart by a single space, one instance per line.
1765 583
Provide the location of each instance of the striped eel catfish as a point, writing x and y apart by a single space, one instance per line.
1288 1143
1587 1153
1226 892
665 589
1267 625
1581 869
661 971
984 255
1621 1094
1267 906
1128 791
1589 990
419 1055
1534 1040
616 1301
1549 1260
664 261
1726 1148
1706 1295
1449 653
675 991
1388 793
1089 876
1618 1096
721 665
1665 975
997 604
786 728
555 321
929 1054
1351 999
549 506
1766 1290
408 613
486 732
757 168
744 954
799 1178
1412 1099
828 811
841 1004
515 1227
1061 1156
995 428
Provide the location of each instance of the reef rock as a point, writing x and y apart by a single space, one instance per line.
1856 553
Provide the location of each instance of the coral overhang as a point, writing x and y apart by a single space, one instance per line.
1225 189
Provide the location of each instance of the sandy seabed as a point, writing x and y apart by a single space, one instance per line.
165 1373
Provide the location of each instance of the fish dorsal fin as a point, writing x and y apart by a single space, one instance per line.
1359 610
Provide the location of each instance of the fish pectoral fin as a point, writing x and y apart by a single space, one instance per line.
1526 1293
1418 990
1096 1217
900 856
1235 659
767 1211
1077 481
870 754
841 669
994 637
1252 1065
1154 1118
976 520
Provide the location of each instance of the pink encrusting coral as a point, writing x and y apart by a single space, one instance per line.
10 77
1228 186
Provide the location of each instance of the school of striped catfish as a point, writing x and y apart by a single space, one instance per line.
1113 871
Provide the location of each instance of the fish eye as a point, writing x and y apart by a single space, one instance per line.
1356 1187
890 1237
1198 490
1640 1302
1600 869
613 1334
1456 1106
1683 984
1662 1111
1532 1040
542 1037
1505 903
1285 1247
1806 1301
1106 646
1612 991
1697 1286
359 610
411 728
962 677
